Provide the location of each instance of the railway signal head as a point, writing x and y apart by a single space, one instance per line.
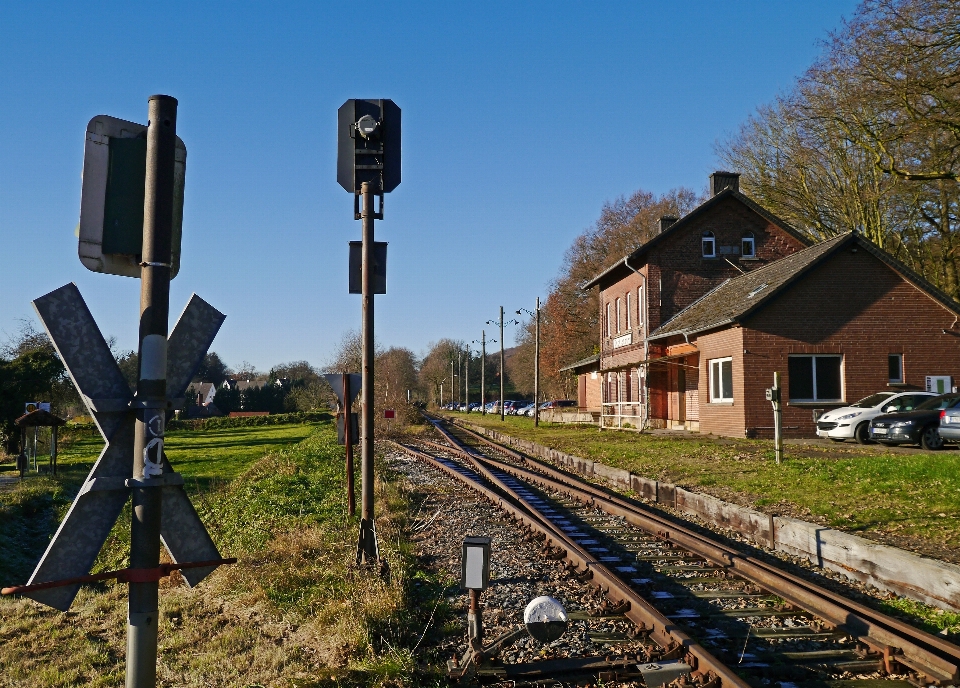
368 145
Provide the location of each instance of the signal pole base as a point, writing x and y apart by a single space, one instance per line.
368 552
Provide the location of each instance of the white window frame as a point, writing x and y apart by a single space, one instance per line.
715 368
619 315
748 237
813 371
708 237
629 308
640 320
609 322
902 376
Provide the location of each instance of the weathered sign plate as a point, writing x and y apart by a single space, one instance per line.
111 202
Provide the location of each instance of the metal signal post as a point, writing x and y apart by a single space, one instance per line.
151 390
367 552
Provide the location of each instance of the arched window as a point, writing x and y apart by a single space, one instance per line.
748 247
709 244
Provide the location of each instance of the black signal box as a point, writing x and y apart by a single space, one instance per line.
368 145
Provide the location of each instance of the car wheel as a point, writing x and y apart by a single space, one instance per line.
862 434
930 438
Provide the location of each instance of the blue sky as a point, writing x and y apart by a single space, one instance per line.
520 120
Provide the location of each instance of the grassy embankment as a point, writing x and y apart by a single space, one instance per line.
909 499
293 612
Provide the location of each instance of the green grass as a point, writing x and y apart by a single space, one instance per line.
293 612
898 497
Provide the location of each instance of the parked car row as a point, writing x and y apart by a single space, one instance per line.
512 407
893 418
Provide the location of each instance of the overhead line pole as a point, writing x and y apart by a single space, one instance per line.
536 372
502 414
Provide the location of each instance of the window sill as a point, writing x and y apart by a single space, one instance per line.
749 258
721 403
898 384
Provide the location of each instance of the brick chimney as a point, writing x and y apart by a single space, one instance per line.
665 222
724 180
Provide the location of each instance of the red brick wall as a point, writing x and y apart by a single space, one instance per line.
685 275
722 418
855 305
677 267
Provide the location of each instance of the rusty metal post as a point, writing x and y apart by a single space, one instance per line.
151 398
367 545
475 622
502 414
348 445
536 371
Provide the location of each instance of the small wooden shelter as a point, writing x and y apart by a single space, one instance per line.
36 420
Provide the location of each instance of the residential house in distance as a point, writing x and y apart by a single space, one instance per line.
839 321
725 237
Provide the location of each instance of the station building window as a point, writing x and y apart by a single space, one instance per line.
721 380
816 377
895 367
748 246
709 245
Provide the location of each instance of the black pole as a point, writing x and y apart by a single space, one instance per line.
483 372
502 414
151 389
367 547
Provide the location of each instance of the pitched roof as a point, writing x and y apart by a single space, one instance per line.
589 360
697 212
736 298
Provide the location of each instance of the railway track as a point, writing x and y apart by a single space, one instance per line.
733 619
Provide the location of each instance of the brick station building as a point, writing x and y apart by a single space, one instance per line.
724 237
839 321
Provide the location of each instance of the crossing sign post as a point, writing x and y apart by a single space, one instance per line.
133 463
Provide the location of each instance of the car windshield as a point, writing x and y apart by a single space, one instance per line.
873 400
941 402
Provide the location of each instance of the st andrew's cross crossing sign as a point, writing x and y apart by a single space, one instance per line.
98 379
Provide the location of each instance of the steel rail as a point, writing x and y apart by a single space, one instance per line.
934 658
668 635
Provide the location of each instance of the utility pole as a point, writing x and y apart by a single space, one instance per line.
367 547
466 381
536 363
536 372
156 256
483 371
453 384
502 414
